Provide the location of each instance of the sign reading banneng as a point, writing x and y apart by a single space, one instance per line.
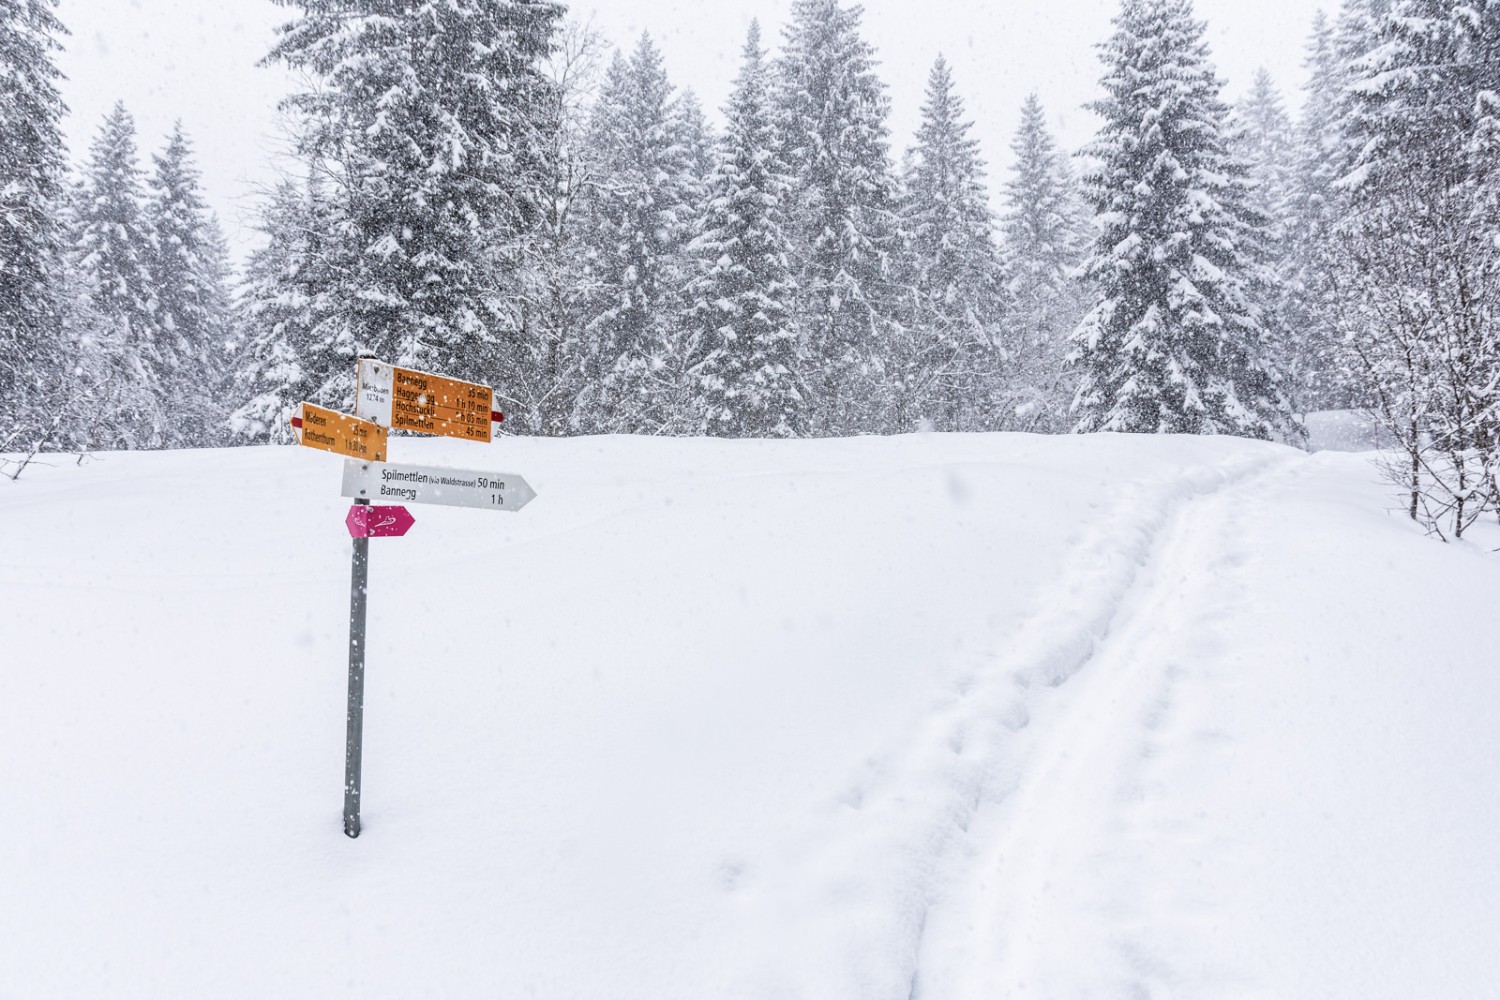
408 400
398 482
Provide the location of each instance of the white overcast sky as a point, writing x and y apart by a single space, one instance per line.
196 60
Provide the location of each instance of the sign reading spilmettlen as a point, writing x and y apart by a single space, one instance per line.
386 482
407 400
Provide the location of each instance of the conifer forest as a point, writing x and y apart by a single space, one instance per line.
490 189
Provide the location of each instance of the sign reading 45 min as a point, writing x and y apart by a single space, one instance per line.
404 399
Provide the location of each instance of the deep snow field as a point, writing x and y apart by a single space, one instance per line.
937 716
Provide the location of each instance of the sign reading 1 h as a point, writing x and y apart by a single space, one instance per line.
386 482
408 400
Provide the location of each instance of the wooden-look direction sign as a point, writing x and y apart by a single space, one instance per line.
330 430
408 400
385 482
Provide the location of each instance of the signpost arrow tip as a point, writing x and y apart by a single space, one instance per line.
523 493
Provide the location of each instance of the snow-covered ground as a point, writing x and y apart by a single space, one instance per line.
934 716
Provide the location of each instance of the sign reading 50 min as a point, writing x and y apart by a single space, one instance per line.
403 399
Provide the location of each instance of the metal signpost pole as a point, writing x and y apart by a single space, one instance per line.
354 734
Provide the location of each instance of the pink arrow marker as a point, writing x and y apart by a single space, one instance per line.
378 522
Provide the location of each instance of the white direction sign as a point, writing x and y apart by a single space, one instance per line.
398 482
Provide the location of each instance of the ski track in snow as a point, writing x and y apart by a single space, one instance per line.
1045 904
980 795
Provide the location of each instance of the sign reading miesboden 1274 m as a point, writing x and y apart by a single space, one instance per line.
407 400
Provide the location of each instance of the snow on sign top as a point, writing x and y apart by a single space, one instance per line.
408 400
330 430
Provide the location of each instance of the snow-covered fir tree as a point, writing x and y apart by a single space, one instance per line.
640 223
741 327
1419 97
1317 130
186 263
1356 36
833 111
943 365
112 248
298 344
425 118
1266 141
1262 137
109 392
219 284
113 241
1175 341
1314 209
1357 30
698 138
674 381
1043 236
34 357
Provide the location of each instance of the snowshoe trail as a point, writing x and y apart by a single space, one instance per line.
1021 749
1041 911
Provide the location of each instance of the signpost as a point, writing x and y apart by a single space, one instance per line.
407 400
330 430
386 398
386 481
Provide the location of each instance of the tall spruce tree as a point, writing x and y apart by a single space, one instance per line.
1043 236
113 240
1314 209
1419 98
697 138
1175 341
640 224
1266 141
426 118
186 263
675 370
943 363
34 358
833 110
742 296
112 247
297 339
1484 143
1262 138
1356 36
